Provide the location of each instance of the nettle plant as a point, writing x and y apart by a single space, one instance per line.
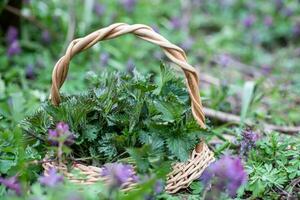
123 116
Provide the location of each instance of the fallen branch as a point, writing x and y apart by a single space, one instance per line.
227 117
29 18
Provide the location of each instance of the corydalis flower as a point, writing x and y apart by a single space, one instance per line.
266 69
12 183
52 179
296 29
11 34
268 21
187 44
99 9
118 174
62 130
13 48
159 187
104 57
287 12
176 22
226 174
224 60
249 139
249 21
29 72
130 66
13 45
46 37
128 5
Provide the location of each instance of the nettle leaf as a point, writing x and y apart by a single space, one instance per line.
197 187
5 165
152 139
90 132
180 147
39 122
140 157
106 145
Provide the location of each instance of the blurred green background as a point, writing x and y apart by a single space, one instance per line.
247 52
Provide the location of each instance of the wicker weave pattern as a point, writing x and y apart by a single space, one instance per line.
183 173
85 175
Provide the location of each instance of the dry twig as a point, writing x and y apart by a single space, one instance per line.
227 117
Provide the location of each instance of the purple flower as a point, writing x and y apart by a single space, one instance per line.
224 60
158 55
155 28
266 69
52 179
99 8
159 187
74 196
187 44
118 174
104 57
278 4
128 5
226 174
176 22
296 29
287 12
46 37
12 183
130 66
249 139
268 21
62 129
13 49
249 21
30 73
11 35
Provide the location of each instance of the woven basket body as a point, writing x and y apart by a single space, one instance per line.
183 173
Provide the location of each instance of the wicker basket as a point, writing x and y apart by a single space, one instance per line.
183 173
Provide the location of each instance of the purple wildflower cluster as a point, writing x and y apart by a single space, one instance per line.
118 174
268 21
99 8
226 175
157 189
30 73
187 44
61 131
52 179
296 29
46 37
12 183
13 45
266 69
176 22
224 59
104 58
249 20
128 5
248 141
130 66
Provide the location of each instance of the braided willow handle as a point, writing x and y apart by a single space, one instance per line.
173 52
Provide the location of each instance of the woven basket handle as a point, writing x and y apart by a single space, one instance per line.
173 52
